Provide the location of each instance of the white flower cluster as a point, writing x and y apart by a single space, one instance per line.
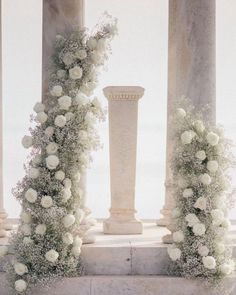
61 144
200 184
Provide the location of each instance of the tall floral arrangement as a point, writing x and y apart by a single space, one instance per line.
47 243
202 192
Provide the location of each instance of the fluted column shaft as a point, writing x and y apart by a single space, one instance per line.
123 114
191 69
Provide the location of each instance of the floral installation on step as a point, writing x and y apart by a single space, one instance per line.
203 195
48 241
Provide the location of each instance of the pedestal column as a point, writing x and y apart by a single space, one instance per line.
191 69
123 115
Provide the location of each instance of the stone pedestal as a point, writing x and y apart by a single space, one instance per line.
191 69
123 114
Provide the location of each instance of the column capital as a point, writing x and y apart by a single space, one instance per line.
123 92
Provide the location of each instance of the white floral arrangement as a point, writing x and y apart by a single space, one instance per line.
203 195
47 243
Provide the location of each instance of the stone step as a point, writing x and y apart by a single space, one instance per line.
126 285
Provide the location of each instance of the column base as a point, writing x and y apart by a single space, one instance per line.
122 227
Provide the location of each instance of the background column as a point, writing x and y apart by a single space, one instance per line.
191 69
123 115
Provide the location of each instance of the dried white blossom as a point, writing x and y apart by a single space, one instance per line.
56 90
75 73
46 202
60 121
212 166
20 268
209 262
52 256
20 285
60 175
68 220
41 117
199 229
52 162
41 229
178 236
64 102
27 141
187 193
201 203
212 138
39 107
205 179
201 155
31 195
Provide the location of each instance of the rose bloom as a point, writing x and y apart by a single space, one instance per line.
26 217
209 262
174 253
65 195
60 121
219 148
212 138
52 256
203 250
64 102
220 248
56 90
192 219
187 137
69 116
180 113
68 59
46 202
20 268
52 162
76 251
31 195
60 175
201 203
199 126
68 220
40 229
34 173
77 241
41 117
27 141
226 269
178 236
20 286
201 155
217 216
52 148
188 192
61 74
81 99
205 179
96 57
39 107
49 131
67 238
199 229
81 54
212 166
75 73
67 183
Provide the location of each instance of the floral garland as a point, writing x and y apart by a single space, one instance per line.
202 192
48 241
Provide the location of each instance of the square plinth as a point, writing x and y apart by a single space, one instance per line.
122 227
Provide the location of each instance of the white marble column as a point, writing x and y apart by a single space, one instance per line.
123 115
191 69
62 17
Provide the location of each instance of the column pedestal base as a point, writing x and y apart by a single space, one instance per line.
122 227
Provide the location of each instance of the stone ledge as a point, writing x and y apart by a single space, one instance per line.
126 285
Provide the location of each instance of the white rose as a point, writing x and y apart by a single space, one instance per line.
187 193
76 251
96 57
27 241
67 183
219 148
220 248
39 107
174 253
46 202
52 162
37 160
49 131
212 138
225 269
67 238
176 212
182 183
225 183
20 268
205 179
68 220
52 148
217 216
41 117
209 262
199 229
75 73
68 59
81 54
192 219
80 99
61 74
201 155
65 195
87 88
52 256
60 175
92 43
64 102
178 236
27 141
77 241
199 126
26 217
79 214
20 286
69 116
60 121
180 113
187 137
56 90
26 229
89 118
40 229
31 195
33 173
201 203
212 166
203 250
3 251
